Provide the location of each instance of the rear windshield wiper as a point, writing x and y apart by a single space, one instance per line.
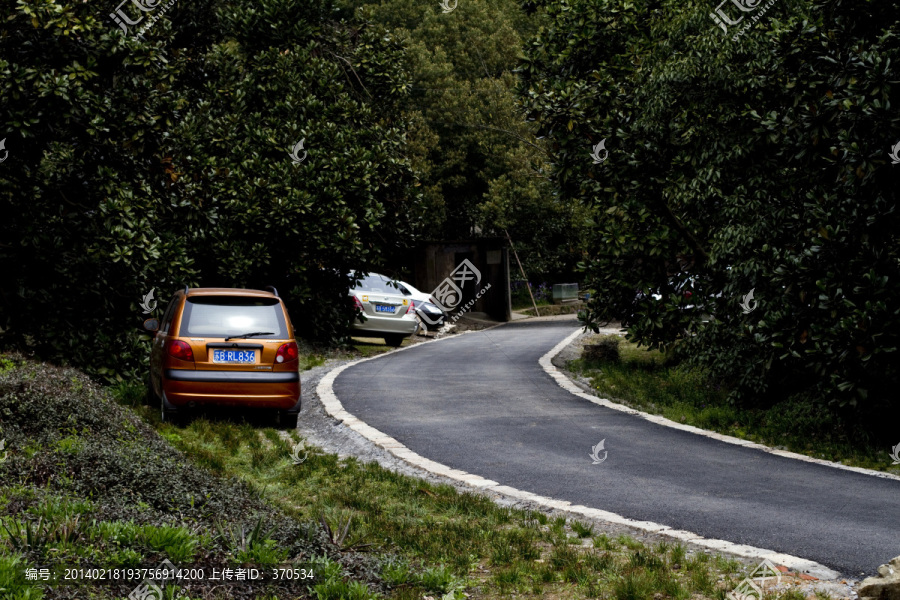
246 335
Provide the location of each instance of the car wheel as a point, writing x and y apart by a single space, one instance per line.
168 415
422 329
393 340
287 420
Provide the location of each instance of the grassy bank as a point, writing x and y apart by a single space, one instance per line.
647 381
436 541
85 483
93 479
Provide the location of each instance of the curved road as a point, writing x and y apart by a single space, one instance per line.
482 404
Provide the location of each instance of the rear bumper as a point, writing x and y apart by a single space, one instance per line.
232 376
433 320
279 390
382 325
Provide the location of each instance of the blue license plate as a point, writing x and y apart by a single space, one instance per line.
234 356
384 308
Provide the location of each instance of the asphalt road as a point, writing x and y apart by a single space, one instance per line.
482 404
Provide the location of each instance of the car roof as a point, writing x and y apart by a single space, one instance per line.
229 292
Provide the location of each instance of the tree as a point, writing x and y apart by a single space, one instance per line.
481 169
152 163
759 163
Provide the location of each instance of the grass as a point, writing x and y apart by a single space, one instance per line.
647 381
365 347
90 481
548 309
435 541
519 305
521 298
86 483
309 361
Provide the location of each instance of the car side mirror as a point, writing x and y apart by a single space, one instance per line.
151 325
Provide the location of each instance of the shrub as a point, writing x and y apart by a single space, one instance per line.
155 162
605 350
127 470
735 167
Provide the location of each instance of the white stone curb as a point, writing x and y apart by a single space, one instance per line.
567 384
333 407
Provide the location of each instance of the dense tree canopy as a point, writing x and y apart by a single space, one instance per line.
751 159
481 169
736 163
140 163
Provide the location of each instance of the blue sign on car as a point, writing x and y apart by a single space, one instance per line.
234 356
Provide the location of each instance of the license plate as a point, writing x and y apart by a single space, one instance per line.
384 308
234 356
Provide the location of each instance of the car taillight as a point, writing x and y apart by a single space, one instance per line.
412 308
688 294
179 349
287 352
358 304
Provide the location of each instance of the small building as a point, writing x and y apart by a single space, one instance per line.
437 262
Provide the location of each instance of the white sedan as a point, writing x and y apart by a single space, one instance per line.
386 312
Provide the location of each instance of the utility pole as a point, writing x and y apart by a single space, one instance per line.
524 276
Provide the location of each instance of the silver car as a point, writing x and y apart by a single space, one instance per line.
385 311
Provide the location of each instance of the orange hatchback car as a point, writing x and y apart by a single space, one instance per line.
225 346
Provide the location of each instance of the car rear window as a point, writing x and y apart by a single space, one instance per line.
376 283
224 316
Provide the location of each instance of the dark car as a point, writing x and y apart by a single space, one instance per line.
429 315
